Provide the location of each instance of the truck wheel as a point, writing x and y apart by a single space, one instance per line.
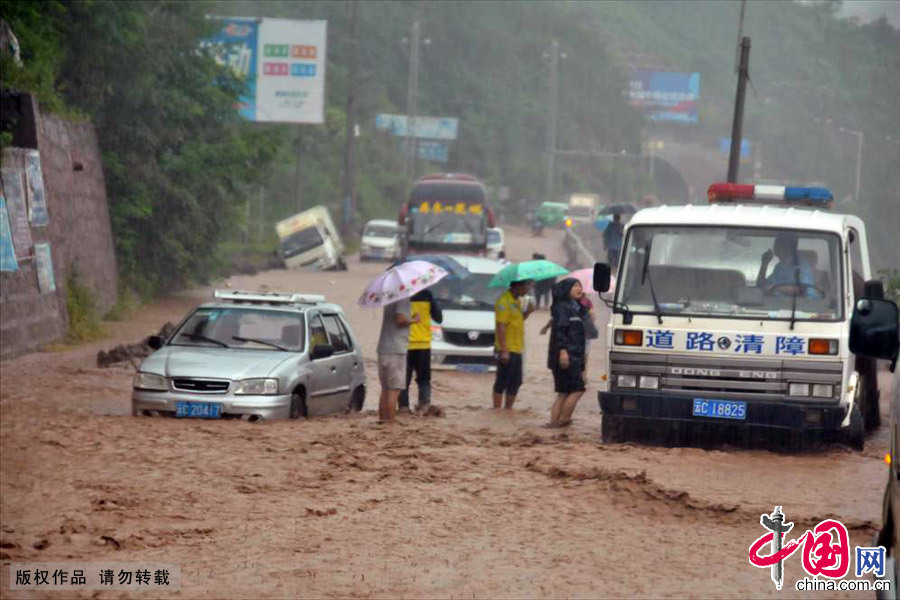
612 429
856 433
871 412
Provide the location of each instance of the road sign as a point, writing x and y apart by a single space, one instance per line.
435 128
430 150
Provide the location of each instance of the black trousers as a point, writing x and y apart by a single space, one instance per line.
418 362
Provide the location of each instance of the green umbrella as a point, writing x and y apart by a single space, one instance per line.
535 270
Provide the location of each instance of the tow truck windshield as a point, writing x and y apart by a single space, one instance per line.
732 272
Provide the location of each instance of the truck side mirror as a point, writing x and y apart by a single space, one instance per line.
874 329
601 277
874 288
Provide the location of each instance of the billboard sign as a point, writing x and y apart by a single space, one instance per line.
665 95
725 148
43 263
37 201
435 128
430 150
8 260
283 63
17 209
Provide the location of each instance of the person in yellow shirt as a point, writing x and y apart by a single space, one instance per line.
418 355
509 342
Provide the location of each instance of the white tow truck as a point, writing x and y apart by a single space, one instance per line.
756 310
309 239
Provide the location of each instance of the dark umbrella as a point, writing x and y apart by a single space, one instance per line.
619 209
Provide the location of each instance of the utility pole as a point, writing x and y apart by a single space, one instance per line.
859 146
349 208
738 122
259 237
298 195
551 118
410 147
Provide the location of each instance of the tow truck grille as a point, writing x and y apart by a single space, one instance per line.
728 377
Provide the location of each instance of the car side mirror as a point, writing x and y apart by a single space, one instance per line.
321 351
155 342
874 330
601 277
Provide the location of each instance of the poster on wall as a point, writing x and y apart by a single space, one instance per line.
8 260
43 262
283 63
14 193
37 201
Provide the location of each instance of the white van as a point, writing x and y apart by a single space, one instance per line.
380 241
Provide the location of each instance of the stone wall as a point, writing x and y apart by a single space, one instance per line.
79 231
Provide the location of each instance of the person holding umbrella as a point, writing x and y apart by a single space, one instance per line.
612 239
392 290
509 333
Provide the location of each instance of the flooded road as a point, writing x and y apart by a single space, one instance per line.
474 504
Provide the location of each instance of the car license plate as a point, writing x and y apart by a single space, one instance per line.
198 410
720 409
473 368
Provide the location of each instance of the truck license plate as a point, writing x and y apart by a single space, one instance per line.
198 410
720 409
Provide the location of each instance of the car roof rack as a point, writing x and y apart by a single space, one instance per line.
238 296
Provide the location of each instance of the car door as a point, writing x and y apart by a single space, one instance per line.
344 361
325 390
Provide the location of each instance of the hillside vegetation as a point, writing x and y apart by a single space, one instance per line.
181 166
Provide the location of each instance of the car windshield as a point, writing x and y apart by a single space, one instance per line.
463 228
493 237
246 328
469 292
381 231
732 272
301 241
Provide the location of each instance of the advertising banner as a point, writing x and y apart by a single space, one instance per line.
37 201
435 128
43 263
283 62
8 260
429 150
725 148
17 208
665 95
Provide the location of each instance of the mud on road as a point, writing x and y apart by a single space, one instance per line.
473 504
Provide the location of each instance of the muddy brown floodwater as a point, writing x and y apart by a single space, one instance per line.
474 504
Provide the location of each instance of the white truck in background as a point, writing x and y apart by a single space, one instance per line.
582 208
310 240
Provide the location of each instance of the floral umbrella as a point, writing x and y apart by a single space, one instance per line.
399 282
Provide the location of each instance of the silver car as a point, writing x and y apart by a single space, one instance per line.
254 356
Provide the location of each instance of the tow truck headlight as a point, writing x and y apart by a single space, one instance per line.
649 382
437 334
627 381
151 382
822 390
256 387
798 389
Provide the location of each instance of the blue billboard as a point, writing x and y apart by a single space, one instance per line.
665 95
235 45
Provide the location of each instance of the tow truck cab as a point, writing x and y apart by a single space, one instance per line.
746 312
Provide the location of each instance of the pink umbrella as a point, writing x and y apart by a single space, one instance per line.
586 278
399 282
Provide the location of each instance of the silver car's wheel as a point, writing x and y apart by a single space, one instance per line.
298 406
358 399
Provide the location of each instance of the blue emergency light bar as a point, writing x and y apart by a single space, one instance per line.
720 193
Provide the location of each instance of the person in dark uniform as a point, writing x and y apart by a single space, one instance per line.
567 351
542 288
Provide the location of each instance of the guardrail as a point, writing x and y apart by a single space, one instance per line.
578 255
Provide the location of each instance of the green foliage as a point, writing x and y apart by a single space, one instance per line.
891 278
84 324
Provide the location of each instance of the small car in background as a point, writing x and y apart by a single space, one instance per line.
254 356
380 241
496 242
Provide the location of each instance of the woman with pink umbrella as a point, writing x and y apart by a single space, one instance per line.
392 290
